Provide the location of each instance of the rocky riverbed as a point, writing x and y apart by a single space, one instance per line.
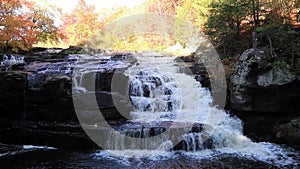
37 103
265 96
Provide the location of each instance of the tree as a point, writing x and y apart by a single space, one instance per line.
229 19
255 12
163 6
79 25
279 32
43 17
21 25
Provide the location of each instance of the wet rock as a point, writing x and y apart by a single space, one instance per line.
70 135
12 88
262 127
72 50
289 132
49 97
204 81
43 100
35 67
258 85
67 135
103 81
39 49
112 106
201 75
42 50
120 56
35 96
182 136
18 67
189 58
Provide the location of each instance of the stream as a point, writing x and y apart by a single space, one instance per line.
173 123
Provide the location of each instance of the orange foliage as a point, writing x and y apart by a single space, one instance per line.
19 25
80 24
164 6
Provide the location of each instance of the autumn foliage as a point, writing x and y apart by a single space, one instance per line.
80 24
229 24
22 25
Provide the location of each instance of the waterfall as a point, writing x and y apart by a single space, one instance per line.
160 94
171 113
153 91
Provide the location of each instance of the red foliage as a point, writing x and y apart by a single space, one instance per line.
79 24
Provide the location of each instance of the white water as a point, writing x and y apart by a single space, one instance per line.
191 104
160 94
38 147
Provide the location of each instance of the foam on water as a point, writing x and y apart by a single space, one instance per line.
191 104
38 147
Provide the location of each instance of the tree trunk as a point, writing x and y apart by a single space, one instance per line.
255 11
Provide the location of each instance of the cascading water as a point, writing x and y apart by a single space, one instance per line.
153 91
162 99
160 94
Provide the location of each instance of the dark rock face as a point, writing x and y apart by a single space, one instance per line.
281 129
37 109
36 104
259 86
34 96
67 135
288 132
49 97
266 95
70 135
201 75
13 86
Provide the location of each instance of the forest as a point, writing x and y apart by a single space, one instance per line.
150 84
230 24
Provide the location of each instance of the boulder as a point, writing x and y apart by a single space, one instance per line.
257 85
275 76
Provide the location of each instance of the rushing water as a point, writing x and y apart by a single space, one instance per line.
161 95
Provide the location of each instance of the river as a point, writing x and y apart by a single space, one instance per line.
164 101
